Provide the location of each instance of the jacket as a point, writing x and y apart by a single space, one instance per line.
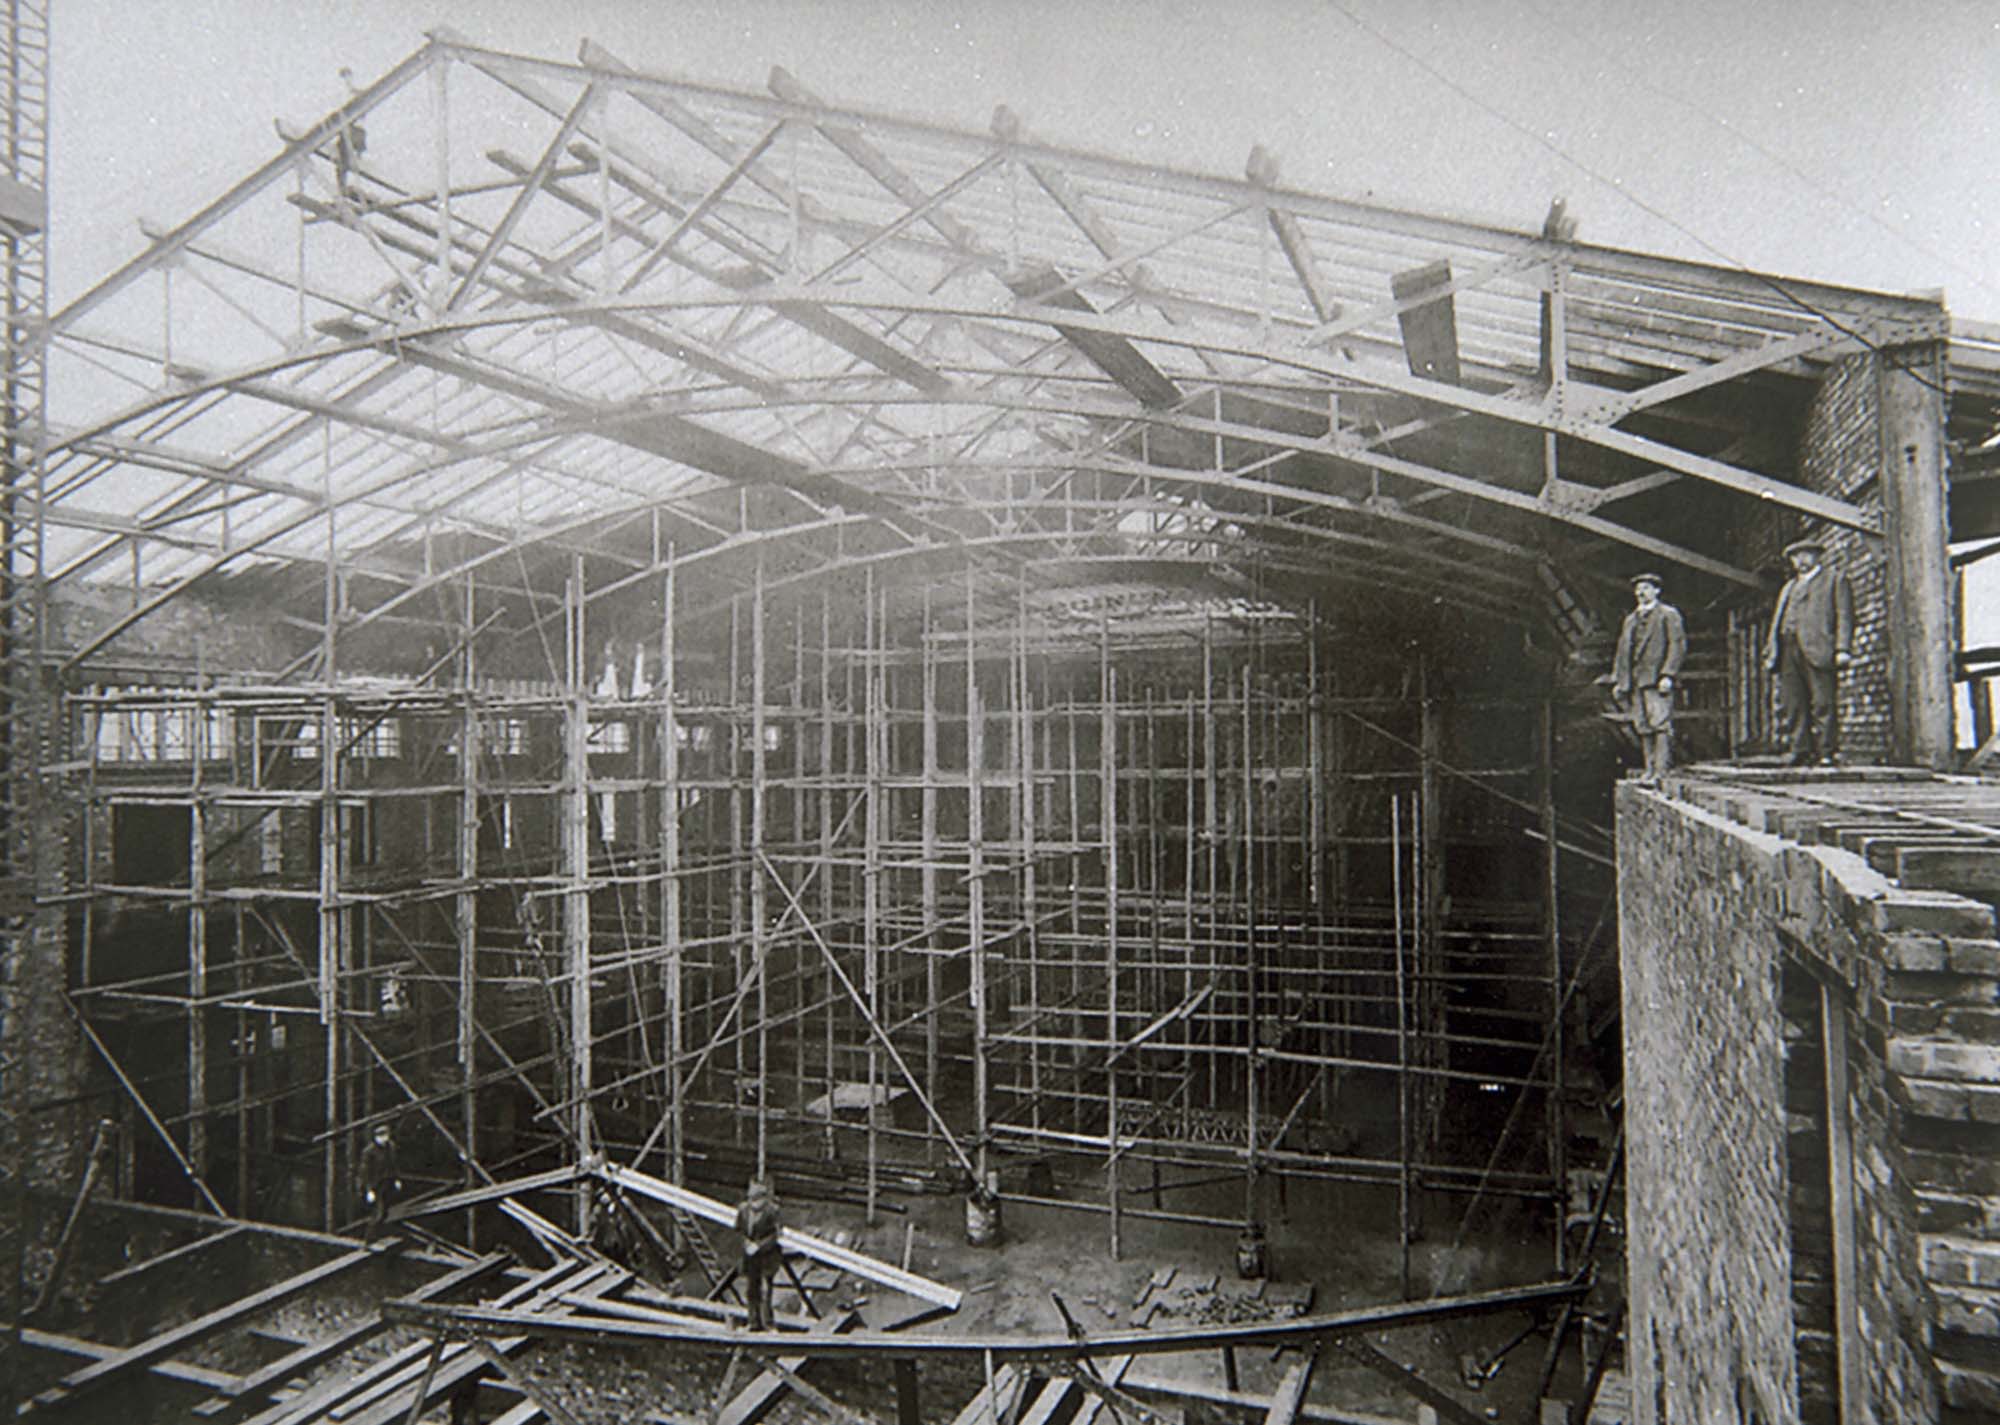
1652 645
1819 612
757 1221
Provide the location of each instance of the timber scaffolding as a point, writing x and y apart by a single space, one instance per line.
805 913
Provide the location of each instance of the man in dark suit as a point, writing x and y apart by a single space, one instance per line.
1651 647
1812 639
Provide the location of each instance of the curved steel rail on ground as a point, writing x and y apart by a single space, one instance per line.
695 1334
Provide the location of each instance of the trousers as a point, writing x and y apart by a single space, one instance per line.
759 1270
1808 705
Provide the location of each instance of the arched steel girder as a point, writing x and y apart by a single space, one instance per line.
1516 611
606 421
360 491
599 420
1502 595
1555 414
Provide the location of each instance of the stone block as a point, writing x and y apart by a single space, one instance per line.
1914 952
1936 1058
1972 1311
1965 1388
1971 956
1941 913
1962 1261
1937 1098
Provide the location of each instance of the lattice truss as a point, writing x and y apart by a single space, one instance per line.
496 300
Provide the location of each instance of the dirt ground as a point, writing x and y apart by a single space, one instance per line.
1340 1239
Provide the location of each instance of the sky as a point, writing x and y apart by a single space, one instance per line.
1847 141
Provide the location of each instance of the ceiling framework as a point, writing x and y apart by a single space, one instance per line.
668 323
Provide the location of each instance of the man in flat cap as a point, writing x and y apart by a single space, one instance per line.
1812 639
1651 647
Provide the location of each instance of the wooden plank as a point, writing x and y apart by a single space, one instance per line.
866 1267
312 1354
1114 355
1051 1406
393 1404
98 1351
759 1398
1251 1404
1291 1392
165 1343
1430 329
186 1249
1359 1349
994 1400
23 207
909 1405
490 1192
317 1400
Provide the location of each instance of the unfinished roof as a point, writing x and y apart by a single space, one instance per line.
499 313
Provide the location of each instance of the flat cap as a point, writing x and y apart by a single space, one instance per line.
1648 578
1811 542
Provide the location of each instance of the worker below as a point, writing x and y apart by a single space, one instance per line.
758 1223
381 1179
1812 639
1651 647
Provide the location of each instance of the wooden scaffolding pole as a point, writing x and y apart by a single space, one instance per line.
466 906
1108 756
929 872
975 823
759 941
1211 828
874 743
675 1151
1558 1138
331 959
576 874
197 944
1403 1194
1253 1011
1027 769
828 890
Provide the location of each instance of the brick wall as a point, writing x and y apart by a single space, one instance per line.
1729 933
223 635
1707 1216
1839 453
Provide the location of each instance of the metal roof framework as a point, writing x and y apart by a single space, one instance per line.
664 321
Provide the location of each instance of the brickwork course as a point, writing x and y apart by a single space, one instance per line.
1743 906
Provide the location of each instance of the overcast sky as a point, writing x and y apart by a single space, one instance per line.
1844 140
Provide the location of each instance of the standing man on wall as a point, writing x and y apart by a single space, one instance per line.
1652 644
1812 638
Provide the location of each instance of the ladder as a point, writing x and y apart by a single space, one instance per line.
720 1279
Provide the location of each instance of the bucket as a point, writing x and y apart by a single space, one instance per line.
1251 1253
982 1217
